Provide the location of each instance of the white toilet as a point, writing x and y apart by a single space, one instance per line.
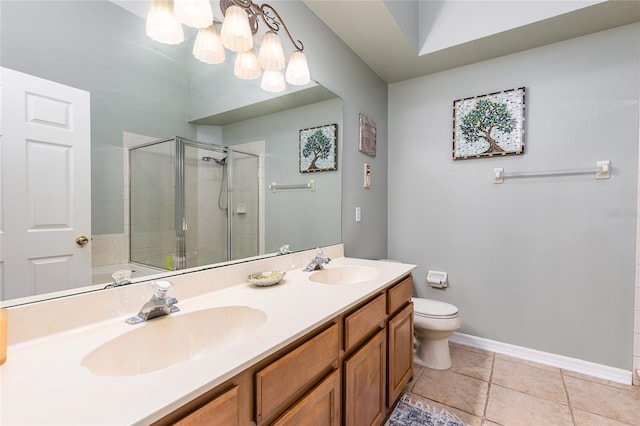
434 322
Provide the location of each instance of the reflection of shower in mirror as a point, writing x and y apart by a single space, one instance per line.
220 162
179 211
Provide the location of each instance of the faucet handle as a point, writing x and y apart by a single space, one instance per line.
320 252
285 249
161 288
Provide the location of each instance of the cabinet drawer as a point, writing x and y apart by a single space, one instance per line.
400 294
221 411
294 373
363 322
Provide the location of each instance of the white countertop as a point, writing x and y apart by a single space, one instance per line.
43 381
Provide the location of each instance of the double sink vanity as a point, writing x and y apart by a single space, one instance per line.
333 346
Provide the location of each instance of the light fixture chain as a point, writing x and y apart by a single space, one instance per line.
265 14
254 10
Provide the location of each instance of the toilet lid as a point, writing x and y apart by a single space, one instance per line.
433 308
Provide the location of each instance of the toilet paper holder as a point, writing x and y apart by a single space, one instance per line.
437 279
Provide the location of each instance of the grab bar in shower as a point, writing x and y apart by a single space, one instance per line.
601 171
311 186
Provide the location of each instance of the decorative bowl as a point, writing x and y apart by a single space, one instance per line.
265 279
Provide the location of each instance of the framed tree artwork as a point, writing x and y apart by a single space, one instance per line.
489 125
319 149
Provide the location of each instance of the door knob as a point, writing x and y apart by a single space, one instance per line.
82 240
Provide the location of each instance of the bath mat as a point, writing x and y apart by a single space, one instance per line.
410 412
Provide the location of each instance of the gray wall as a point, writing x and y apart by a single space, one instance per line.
303 218
338 69
544 263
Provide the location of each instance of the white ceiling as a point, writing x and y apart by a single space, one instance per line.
371 31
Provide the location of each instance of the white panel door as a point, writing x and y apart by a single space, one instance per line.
45 160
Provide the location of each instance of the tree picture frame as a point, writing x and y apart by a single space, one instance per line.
319 149
489 125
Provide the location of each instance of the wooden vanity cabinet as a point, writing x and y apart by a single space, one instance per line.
349 371
365 383
365 366
400 339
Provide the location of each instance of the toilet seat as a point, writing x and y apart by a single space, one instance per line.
428 308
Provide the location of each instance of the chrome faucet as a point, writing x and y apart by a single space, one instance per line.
318 262
158 305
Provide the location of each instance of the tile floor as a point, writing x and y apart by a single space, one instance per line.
488 389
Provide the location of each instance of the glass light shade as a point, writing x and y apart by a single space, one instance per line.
272 81
194 13
298 69
246 65
236 32
271 55
162 25
208 46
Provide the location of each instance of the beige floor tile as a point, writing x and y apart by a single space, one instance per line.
583 418
527 362
543 383
417 371
476 364
597 380
607 401
469 419
453 389
509 407
469 348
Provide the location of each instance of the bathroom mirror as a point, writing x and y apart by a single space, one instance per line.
141 91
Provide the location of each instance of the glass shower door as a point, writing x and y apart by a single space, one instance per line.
206 201
152 197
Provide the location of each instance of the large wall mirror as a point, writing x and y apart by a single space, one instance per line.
174 143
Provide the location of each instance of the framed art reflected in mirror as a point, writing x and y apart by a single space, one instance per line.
319 149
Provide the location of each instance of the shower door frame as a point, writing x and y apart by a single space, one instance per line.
181 211
181 225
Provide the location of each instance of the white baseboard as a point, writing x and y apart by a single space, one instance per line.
560 361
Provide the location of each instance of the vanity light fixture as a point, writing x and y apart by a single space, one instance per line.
238 28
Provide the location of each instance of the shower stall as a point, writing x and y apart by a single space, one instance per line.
192 204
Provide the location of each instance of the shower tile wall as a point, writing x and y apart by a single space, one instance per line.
245 225
256 148
211 234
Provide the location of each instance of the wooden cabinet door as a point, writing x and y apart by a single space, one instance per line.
222 411
365 383
286 379
400 329
320 407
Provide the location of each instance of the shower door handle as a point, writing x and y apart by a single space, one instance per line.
82 240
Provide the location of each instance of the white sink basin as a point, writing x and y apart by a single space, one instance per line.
351 274
171 339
